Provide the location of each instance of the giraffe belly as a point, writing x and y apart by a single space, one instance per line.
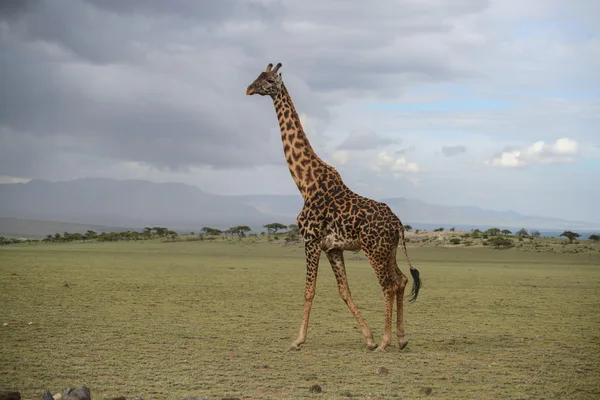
334 241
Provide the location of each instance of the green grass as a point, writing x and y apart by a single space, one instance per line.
166 320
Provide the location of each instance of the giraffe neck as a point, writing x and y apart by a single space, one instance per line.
304 164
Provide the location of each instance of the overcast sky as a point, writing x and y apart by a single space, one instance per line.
494 103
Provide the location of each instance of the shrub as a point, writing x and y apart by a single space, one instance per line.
500 242
455 241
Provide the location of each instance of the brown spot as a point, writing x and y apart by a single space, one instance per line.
305 162
286 113
299 172
299 144
288 125
286 148
297 123
289 161
292 136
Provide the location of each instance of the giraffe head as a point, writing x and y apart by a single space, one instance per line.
268 82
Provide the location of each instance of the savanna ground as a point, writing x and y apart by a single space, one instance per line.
168 320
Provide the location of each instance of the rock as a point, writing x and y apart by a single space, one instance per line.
426 390
347 394
57 396
315 389
383 371
82 393
47 395
6 395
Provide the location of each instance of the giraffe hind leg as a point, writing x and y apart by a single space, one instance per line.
336 259
402 342
380 261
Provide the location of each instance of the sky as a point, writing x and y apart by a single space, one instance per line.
494 103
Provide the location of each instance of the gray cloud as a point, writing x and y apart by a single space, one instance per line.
90 86
365 140
450 151
163 83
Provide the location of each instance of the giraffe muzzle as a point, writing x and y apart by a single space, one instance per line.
250 91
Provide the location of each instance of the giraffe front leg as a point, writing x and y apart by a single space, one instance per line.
336 259
313 253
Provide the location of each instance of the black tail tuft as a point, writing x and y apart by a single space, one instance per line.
416 285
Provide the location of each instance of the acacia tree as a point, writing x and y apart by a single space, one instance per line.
506 232
570 235
211 231
408 228
522 232
493 231
274 227
594 237
240 230
535 233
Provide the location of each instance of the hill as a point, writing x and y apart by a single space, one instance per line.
134 204
35 229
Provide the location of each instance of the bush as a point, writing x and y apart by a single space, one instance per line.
455 241
500 242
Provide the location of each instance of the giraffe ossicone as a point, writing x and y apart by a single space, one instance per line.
335 219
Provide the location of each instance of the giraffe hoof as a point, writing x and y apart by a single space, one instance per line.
294 347
371 346
402 344
381 349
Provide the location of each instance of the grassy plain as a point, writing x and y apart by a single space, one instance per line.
168 320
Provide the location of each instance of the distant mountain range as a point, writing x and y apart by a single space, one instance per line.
135 204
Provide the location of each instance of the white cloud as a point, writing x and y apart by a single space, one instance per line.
341 157
12 179
384 162
560 152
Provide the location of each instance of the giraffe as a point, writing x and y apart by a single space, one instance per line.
335 219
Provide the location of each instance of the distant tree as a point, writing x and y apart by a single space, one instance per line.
240 230
408 228
440 229
293 228
506 232
75 236
522 233
570 235
452 229
534 233
493 232
475 233
594 237
500 242
90 235
160 231
274 227
211 231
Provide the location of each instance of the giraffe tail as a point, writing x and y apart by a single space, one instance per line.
413 271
